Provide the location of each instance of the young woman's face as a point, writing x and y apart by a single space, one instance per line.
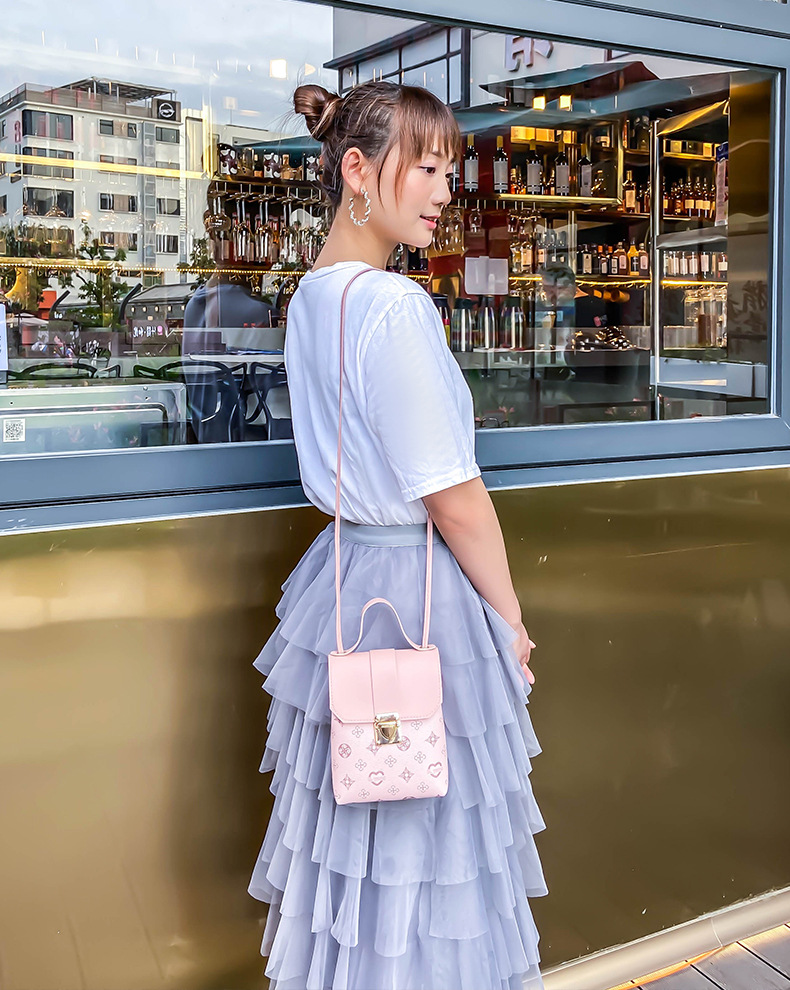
412 218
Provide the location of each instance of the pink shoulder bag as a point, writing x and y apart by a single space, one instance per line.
387 737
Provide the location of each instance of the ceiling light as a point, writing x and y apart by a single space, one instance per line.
538 102
566 102
278 68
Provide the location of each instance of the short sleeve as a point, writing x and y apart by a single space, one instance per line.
418 402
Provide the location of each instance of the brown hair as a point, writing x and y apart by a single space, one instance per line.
373 117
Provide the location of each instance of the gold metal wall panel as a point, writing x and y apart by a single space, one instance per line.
132 724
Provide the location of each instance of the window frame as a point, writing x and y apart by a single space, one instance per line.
220 476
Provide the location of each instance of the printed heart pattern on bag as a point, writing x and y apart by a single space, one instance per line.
417 776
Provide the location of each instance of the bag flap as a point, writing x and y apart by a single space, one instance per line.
377 682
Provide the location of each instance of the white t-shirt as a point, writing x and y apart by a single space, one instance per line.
408 416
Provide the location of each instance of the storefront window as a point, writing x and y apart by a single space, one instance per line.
159 203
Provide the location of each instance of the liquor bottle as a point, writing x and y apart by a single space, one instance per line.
689 201
534 172
629 193
527 256
693 264
540 251
596 260
700 206
562 173
584 178
704 262
665 200
680 206
646 198
633 258
644 262
620 260
707 200
587 260
471 161
722 266
604 264
501 166
516 181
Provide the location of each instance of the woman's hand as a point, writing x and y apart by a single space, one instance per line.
523 646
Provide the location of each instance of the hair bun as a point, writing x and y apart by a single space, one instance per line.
319 108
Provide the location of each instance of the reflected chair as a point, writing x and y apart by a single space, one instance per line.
52 370
270 387
214 397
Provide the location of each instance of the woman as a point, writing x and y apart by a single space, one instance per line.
426 894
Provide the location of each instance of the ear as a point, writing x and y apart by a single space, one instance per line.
354 168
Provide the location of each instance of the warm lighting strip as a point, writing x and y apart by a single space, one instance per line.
660 973
690 282
164 173
122 267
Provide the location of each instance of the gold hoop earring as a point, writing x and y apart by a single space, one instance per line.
364 220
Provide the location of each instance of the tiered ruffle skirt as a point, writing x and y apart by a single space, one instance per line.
423 894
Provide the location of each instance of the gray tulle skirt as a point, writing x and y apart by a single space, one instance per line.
424 894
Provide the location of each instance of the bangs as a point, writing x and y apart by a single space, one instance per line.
422 124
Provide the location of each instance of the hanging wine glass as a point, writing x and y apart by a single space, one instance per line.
475 219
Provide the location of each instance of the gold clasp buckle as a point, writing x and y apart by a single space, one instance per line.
386 728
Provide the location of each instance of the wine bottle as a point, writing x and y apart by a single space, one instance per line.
471 161
501 167
584 179
629 193
534 172
562 173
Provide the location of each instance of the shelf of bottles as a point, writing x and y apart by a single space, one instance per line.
692 240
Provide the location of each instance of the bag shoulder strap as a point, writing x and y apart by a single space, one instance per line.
429 548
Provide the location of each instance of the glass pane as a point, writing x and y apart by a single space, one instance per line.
610 264
432 77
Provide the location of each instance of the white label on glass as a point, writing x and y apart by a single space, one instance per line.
562 180
630 199
500 177
587 264
534 178
644 262
623 266
470 174
13 430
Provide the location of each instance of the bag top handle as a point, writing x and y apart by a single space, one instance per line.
429 549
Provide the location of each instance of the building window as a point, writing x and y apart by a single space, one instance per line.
171 165
131 130
118 202
52 125
117 160
167 243
47 202
168 207
48 171
168 135
118 239
2 129
3 205
105 127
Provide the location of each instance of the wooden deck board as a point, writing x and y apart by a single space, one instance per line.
773 947
736 968
685 979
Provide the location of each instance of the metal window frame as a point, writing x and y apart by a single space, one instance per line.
520 455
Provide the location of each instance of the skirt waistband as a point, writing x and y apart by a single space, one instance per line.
400 535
